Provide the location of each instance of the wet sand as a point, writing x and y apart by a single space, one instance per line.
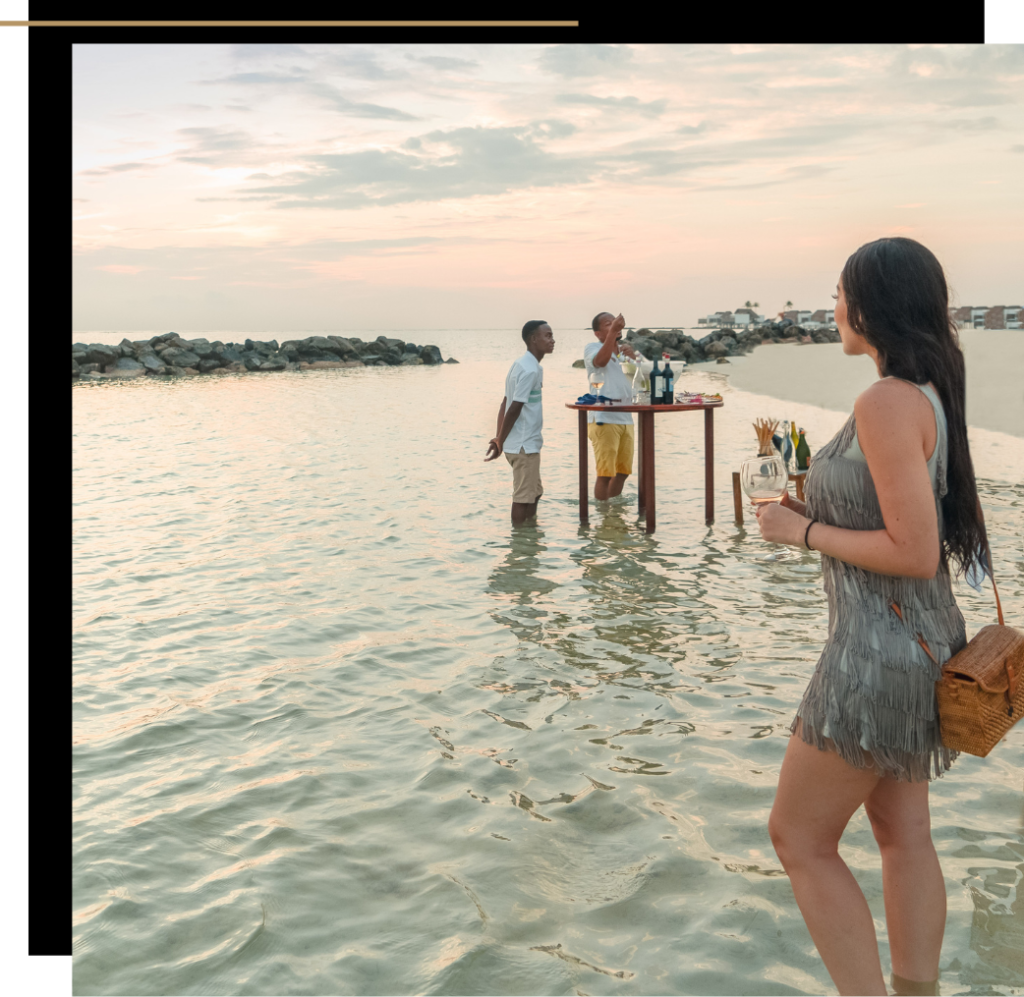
822 375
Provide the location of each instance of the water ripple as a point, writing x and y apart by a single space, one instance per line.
337 729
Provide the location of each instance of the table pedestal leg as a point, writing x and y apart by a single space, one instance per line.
640 491
647 449
709 465
584 508
737 498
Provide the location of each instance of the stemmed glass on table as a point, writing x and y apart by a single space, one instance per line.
765 479
597 381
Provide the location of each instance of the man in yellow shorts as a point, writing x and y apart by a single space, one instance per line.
611 433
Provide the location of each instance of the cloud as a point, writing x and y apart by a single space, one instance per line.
982 98
351 62
257 50
650 164
117 168
584 60
281 266
355 108
791 174
443 62
363 64
986 124
553 128
463 162
653 159
959 75
632 104
259 78
216 146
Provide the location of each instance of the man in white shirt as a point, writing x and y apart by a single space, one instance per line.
611 433
520 419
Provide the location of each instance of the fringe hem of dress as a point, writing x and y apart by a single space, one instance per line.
896 763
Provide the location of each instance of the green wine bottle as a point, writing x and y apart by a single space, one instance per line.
803 453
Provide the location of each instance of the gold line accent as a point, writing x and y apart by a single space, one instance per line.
286 24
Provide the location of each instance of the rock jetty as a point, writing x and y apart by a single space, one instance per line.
171 356
722 343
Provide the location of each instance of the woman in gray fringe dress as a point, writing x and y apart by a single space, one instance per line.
891 501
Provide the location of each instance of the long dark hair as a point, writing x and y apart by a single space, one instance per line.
896 298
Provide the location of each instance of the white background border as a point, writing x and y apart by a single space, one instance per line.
1004 21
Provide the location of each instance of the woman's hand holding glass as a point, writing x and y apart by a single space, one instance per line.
781 523
765 481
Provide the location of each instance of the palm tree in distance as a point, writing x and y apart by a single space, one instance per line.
782 314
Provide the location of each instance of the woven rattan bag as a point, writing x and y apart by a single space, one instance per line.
980 693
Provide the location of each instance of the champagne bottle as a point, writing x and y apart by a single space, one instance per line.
667 393
657 384
793 434
803 453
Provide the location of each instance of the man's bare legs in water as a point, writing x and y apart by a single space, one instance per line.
606 488
522 511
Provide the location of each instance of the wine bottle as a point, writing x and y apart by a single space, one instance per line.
668 392
657 384
803 453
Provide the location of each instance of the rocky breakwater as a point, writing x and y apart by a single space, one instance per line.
723 343
170 355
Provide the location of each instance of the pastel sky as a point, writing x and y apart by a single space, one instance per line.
305 187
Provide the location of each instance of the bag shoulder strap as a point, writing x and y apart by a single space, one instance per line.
991 574
988 558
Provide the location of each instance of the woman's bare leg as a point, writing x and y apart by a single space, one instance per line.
915 891
818 794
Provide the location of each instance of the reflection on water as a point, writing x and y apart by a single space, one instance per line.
996 886
340 729
517 574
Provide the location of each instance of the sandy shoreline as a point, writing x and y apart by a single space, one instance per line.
821 375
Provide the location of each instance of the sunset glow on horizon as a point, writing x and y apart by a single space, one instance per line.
291 187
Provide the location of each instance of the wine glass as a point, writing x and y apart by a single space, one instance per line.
597 381
765 479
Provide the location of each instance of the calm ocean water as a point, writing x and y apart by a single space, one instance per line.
340 730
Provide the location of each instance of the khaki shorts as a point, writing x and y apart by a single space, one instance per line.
613 449
526 486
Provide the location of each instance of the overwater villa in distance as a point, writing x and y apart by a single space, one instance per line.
747 316
983 317
730 320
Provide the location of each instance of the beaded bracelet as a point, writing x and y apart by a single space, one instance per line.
807 531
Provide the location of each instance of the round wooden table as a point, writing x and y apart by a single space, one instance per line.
645 455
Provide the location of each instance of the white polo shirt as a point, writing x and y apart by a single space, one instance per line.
523 383
616 385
